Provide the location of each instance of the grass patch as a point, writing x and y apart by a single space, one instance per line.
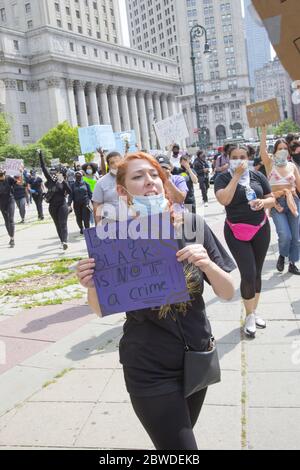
58 376
20 293
44 303
21 276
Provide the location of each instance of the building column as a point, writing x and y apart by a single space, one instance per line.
164 106
115 112
11 106
124 109
134 114
228 120
72 105
82 110
157 108
104 108
143 119
150 114
94 113
171 105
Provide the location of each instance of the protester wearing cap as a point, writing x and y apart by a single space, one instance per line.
175 186
105 197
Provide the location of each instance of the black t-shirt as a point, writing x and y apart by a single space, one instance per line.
6 190
239 210
36 184
190 197
152 349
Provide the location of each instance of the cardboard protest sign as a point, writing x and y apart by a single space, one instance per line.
263 113
81 159
122 138
134 274
12 166
281 19
93 137
171 130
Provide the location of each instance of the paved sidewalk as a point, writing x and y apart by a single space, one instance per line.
257 405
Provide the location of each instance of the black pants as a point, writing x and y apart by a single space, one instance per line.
169 419
250 258
38 200
204 186
82 215
59 215
8 212
21 203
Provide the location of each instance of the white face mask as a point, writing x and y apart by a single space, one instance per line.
281 157
113 171
89 172
234 164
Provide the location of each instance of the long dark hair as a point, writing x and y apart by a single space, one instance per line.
239 147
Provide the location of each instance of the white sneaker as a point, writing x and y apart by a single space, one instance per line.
250 326
260 323
206 204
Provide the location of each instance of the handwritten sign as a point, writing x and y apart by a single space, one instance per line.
55 162
263 113
171 130
93 137
122 138
281 19
12 166
136 274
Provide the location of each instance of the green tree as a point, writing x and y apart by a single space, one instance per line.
30 156
63 142
10 151
286 127
4 130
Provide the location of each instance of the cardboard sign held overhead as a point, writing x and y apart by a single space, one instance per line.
93 137
263 113
12 166
171 130
281 20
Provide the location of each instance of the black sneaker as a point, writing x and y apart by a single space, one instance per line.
81 231
12 243
280 264
293 269
65 246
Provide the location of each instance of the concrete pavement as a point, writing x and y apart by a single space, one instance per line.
70 394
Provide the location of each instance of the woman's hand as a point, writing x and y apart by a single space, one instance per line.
241 169
85 271
258 204
197 255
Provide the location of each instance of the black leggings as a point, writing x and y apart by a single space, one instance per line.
8 212
59 215
169 419
250 258
83 215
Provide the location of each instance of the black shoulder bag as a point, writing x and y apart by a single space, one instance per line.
201 368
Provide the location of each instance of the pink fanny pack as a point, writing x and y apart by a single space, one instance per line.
246 232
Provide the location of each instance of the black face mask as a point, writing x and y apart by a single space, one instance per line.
296 157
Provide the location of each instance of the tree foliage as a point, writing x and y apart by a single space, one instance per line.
4 130
63 142
286 127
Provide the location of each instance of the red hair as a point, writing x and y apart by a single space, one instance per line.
123 167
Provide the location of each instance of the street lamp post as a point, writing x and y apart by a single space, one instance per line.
197 32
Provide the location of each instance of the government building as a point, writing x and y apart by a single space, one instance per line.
63 60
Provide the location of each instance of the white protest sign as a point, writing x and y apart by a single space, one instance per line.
12 166
171 130
93 137
81 159
55 162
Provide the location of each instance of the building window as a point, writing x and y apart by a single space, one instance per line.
26 131
84 50
16 45
2 14
72 46
30 24
27 7
20 85
23 108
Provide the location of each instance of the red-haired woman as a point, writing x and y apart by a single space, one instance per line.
151 349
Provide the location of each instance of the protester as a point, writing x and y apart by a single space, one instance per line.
105 197
248 243
81 196
7 204
36 190
70 174
201 168
175 185
21 196
175 156
58 189
222 163
90 174
190 178
295 154
291 139
151 349
284 179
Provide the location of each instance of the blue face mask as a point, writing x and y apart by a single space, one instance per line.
149 205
